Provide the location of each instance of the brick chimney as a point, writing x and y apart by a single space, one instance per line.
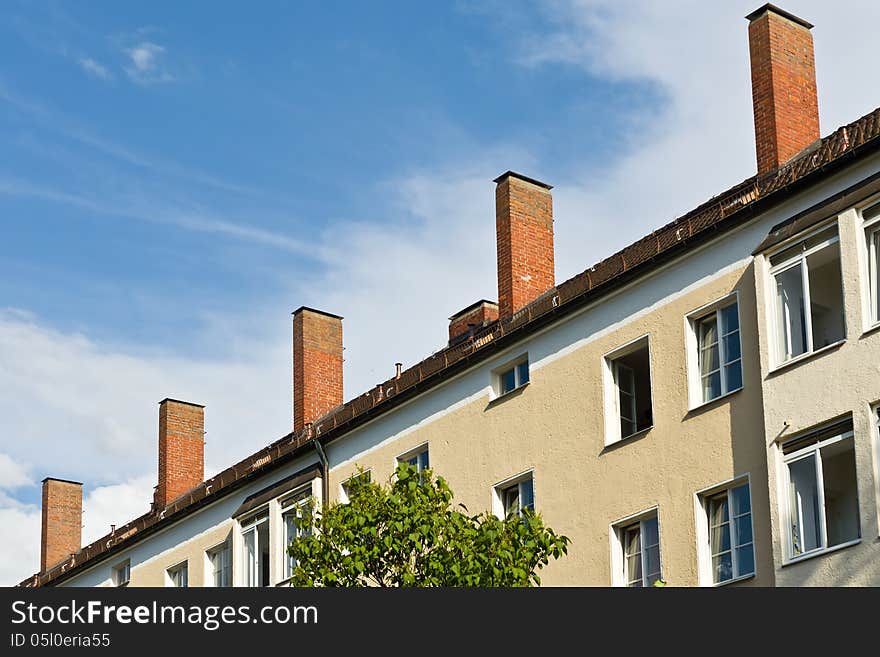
181 449
783 86
471 319
61 533
524 229
317 365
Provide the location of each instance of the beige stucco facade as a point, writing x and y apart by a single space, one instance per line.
555 427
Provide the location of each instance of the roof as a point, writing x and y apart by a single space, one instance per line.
737 205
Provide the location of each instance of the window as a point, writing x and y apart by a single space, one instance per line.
729 520
639 547
122 573
255 550
823 504
177 576
872 234
346 485
418 458
220 566
628 391
514 496
716 341
294 518
511 377
809 295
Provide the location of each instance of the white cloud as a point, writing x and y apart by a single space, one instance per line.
92 67
147 63
12 474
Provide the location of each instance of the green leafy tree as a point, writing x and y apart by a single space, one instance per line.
409 534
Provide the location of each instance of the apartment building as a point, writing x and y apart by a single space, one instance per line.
700 407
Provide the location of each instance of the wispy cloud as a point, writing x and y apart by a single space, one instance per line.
147 63
94 68
148 210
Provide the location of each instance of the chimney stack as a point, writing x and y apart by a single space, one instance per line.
468 320
61 521
783 86
524 229
317 365
181 449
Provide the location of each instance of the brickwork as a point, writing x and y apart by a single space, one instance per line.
61 521
783 87
473 317
181 449
524 229
317 365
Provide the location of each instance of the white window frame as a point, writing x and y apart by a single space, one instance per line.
611 395
617 534
704 552
210 579
121 573
343 494
501 487
415 452
870 229
250 523
814 449
498 372
293 502
692 344
182 566
779 360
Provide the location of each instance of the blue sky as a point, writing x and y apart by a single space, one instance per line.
176 178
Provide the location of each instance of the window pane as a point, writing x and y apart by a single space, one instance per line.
741 501
745 560
652 532
743 526
826 296
790 313
652 563
722 567
733 376
632 541
527 494
523 372
841 498
709 359
634 570
712 386
250 558
804 506
425 463
511 500
707 332
731 347
719 540
718 510
508 381
729 318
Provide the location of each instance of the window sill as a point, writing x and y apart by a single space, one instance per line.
805 357
820 553
707 404
507 395
873 328
630 438
735 580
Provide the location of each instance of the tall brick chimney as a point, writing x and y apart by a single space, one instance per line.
524 229
317 364
181 449
61 521
783 86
